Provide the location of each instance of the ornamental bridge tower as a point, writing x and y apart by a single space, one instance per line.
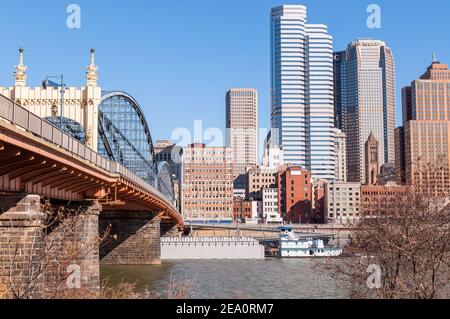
77 106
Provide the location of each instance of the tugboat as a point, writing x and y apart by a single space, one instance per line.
293 246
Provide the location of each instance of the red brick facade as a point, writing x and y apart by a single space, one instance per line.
295 194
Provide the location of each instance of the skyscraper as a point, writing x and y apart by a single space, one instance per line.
242 130
426 114
302 90
367 93
400 154
340 155
339 81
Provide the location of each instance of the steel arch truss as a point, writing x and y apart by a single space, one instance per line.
124 137
69 126
165 182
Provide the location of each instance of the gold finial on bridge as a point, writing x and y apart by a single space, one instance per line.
92 71
20 75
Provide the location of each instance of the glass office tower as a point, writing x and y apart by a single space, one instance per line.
302 90
366 87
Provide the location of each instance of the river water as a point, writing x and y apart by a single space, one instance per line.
229 279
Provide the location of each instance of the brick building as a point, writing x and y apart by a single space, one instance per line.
375 199
295 194
318 201
207 184
242 209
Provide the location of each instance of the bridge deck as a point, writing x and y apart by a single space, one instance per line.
38 158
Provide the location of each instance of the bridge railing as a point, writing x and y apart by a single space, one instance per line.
126 173
25 119
21 117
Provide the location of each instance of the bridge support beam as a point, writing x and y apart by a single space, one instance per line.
134 238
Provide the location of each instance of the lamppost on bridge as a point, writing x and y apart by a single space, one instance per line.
47 83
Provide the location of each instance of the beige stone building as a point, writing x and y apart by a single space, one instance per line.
270 212
79 104
242 130
426 114
260 178
340 149
342 203
207 181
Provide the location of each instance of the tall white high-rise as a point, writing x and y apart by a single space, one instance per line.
242 130
302 90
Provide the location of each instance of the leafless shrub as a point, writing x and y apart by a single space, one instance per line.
408 238
124 290
180 288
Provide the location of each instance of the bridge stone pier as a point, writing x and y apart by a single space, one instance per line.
77 238
21 241
38 255
134 238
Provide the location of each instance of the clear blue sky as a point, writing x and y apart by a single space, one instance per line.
179 57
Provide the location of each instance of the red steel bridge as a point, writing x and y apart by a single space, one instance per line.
36 157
